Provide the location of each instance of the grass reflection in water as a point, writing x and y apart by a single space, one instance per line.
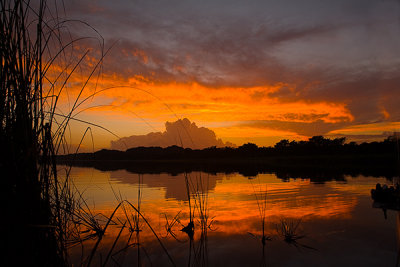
224 208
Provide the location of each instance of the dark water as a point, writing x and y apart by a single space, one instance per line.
337 224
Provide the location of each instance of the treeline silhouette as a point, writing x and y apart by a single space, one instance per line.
318 159
317 146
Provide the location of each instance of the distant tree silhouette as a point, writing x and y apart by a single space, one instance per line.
318 141
284 143
249 147
314 147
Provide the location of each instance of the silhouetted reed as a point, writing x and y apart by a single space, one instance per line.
152 230
170 224
189 228
289 229
197 189
261 198
37 62
133 219
130 219
94 227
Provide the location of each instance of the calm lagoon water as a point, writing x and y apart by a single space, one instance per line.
336 220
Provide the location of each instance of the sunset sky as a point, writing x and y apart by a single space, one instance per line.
251 71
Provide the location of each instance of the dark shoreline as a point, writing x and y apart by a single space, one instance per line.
319 168
318 158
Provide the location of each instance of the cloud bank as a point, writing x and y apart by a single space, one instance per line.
181 133
312 69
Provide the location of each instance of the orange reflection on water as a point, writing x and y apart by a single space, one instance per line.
231 199
328 211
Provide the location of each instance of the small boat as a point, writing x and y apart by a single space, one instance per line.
386 196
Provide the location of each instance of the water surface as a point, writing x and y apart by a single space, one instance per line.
336 220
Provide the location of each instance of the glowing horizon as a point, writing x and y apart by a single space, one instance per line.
249 79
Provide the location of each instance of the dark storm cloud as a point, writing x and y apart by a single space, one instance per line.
366 96
360 138
343 51
317 127
226 36
211 42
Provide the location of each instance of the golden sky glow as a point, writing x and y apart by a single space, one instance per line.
247 79
234 114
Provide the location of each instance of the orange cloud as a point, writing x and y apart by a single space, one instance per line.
156 103
368 128
238 115
278 78
385 113
181 133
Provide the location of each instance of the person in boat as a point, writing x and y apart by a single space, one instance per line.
385 193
